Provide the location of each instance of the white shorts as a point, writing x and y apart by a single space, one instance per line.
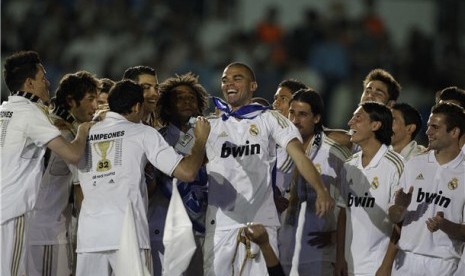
13 246
103 263
48 260
407 263
223 255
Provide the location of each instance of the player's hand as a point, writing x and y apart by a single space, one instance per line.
403 199
256 233
433 224
201 129
83 128
322 239
324 203
101 113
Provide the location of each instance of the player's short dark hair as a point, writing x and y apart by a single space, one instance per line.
380 113
124 95
452 93
292 84
385 77
20 66
410 116
454 114
133 73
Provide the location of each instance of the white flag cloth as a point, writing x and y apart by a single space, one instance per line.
178 237
298 240
129 259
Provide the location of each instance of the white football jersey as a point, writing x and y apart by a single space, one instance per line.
366 193
112 173
241 155
51 216
328 158
436 188
25 132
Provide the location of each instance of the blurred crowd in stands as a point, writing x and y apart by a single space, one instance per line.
330 52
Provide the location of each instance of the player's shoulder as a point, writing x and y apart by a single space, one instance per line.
341 151
393 160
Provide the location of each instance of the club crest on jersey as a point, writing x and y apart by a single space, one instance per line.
253 130
185 139
375 183
453 184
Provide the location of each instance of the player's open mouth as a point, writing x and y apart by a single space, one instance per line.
231 91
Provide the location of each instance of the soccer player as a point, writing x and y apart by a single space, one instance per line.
49 237
455 95
112 176
380 86
26 132
182 97
284 164
432 211
241 154
368 181
405 126
318 246
147 77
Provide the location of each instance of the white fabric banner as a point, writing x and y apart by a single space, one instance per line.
129 254
178 236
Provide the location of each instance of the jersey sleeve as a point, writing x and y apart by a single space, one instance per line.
282 130
160 153
40 129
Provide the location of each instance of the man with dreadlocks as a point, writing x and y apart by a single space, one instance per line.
181 97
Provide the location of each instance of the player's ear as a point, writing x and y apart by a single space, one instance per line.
253 86
375 125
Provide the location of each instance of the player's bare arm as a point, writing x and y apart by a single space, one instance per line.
72 151
189 166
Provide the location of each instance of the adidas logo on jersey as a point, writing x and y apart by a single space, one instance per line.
238 151
430 197
361 201
111 181
223 134
420 177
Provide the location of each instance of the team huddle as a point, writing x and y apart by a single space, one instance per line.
269 189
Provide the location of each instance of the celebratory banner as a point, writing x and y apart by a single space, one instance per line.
129 260
178 236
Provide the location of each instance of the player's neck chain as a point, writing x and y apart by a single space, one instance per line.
33 98
64 114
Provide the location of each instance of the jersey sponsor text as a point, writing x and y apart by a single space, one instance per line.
238 151
360 201
430 197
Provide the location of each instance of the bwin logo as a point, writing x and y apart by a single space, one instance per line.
360 201
238 151
438 198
